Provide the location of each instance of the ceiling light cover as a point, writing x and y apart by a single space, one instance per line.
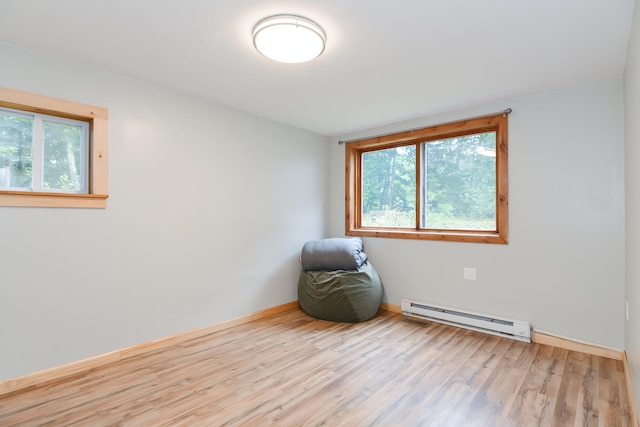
289 38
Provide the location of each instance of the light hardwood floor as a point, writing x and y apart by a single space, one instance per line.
293 370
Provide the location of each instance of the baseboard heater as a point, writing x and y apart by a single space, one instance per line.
514 329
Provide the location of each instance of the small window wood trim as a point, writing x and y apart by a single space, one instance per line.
98 150
353 180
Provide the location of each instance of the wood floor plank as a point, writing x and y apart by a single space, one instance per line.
293 370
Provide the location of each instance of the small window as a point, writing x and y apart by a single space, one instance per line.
446 182
52 152
43 153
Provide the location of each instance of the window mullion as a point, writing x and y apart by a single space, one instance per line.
37 154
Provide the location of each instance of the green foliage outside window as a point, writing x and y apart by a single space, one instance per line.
16 136
62 156
61 148
458 184
389 187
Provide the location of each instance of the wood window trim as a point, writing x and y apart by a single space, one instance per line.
353 179
97 118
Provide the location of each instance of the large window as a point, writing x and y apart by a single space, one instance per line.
52 152
446 182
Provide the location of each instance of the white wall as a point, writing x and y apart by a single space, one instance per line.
632 182
208 210
209 207
563 268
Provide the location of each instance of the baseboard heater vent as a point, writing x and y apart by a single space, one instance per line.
514 329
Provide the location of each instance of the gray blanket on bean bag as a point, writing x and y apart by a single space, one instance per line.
341 295
333 254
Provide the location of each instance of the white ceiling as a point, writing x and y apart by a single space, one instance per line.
385 60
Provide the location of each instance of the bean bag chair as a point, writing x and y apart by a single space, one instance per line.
338 283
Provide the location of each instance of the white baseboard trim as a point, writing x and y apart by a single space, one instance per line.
78 368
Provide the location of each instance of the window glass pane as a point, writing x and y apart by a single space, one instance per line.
389 187
63 153
16 136
459 190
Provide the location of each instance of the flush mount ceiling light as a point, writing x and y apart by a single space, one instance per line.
289 38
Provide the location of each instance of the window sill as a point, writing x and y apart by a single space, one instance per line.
52 200
451 236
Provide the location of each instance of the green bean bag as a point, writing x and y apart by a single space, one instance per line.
341 295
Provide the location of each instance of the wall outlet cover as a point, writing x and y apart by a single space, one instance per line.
469 273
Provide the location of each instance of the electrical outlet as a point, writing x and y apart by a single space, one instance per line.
469 273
